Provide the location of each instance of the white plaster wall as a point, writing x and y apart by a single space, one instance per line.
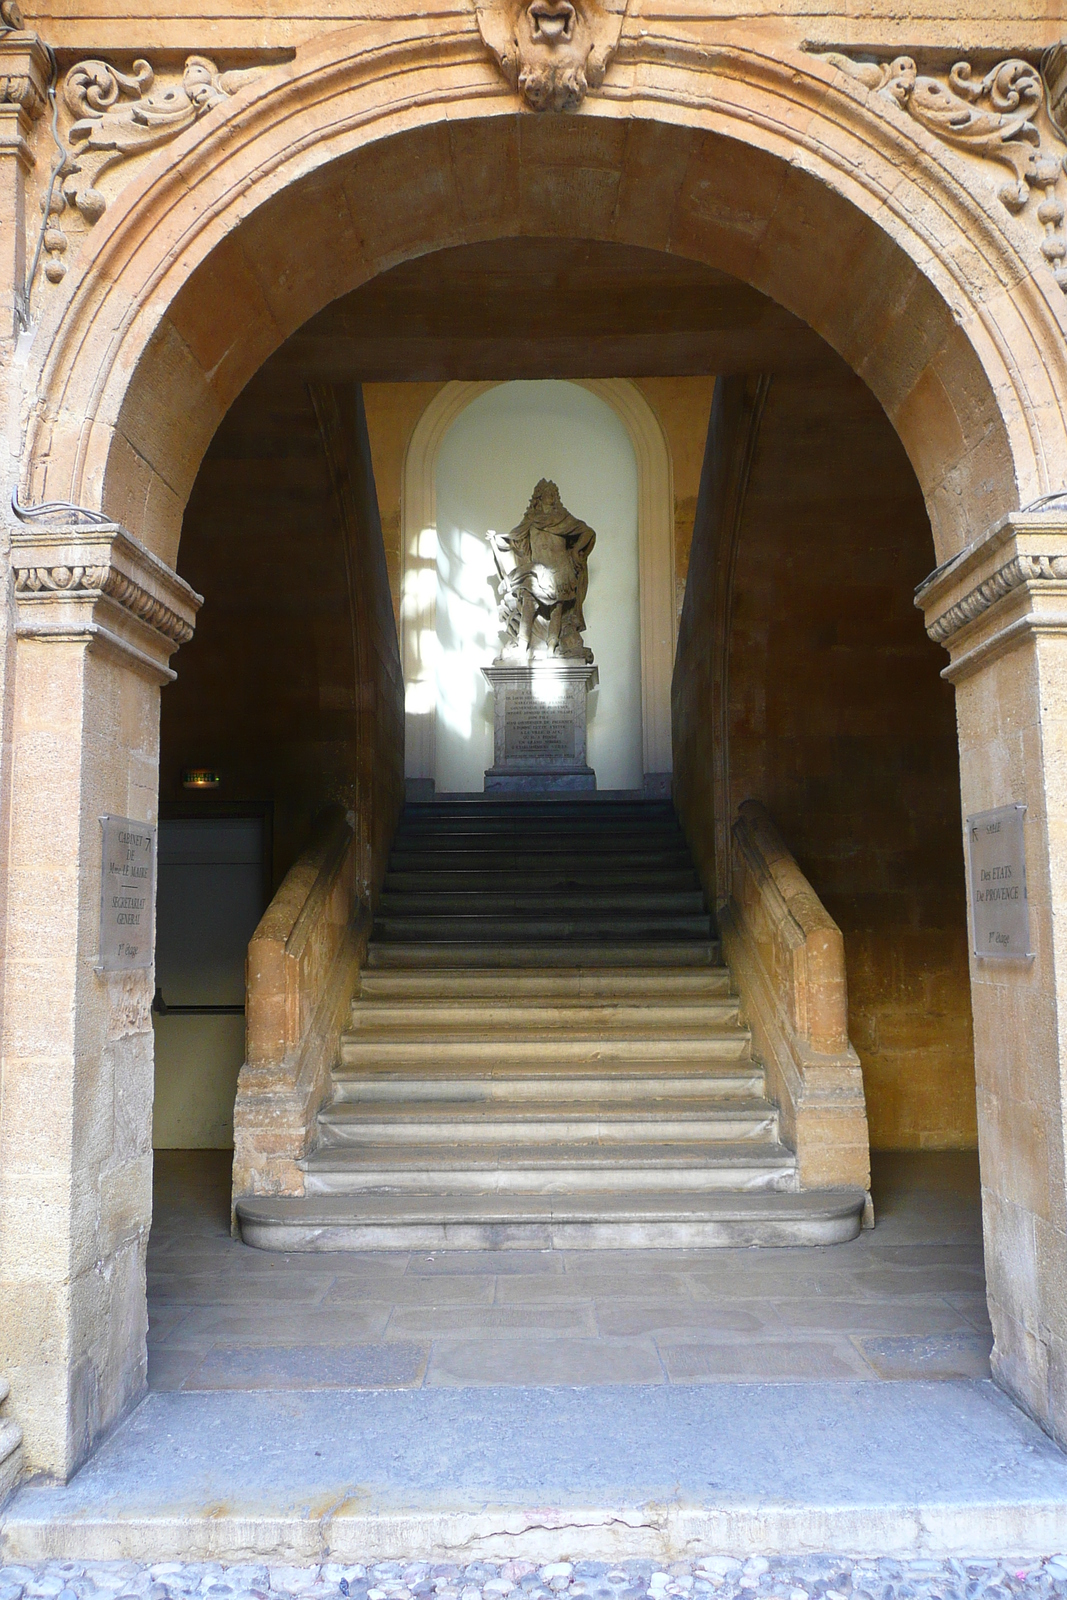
489 462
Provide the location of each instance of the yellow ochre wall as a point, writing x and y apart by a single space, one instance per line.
839 722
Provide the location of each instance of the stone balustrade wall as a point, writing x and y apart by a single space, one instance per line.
303 965
788 959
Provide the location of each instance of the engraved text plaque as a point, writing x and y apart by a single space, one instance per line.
127 898
997 865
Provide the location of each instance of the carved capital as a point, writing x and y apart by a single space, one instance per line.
998 116
24 75
100 585
552 51
1010 583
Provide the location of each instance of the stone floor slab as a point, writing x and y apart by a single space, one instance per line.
520 1321
630 1470
951 1355
357 1366
485 1362
772 1360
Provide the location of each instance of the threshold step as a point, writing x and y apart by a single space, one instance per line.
671 1220
549 953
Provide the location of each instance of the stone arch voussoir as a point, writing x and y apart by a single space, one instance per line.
376 146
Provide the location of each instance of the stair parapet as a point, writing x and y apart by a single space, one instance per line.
302 970
788 957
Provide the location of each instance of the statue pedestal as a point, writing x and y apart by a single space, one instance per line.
539 714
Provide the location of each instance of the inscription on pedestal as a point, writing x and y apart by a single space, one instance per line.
534 731
1000 915
127 898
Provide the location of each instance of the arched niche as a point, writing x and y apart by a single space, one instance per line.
655 538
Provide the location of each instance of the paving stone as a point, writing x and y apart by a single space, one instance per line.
948 1355
816 1577
461 1263
474 1362
393 1365
779 1359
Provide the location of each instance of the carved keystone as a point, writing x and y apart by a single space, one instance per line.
552 51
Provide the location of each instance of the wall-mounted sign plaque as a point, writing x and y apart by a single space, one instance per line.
127 894
996 858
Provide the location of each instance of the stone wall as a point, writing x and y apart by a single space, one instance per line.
291 688
837 720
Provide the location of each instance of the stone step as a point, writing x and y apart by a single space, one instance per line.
637 984
575 925
540 822
561 902
516 861
489 1168
560 1085
419 956
668 1220
451 1122
468 1014
561 804
589 874
542 1049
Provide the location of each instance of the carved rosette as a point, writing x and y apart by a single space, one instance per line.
102 586
995 115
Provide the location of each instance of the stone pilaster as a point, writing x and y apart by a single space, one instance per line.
24 76
97 618
1000 609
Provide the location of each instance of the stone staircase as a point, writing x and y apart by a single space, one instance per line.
546 1051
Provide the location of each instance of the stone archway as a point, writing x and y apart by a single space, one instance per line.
374 146
779 170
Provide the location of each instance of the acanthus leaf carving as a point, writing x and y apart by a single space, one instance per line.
116 117
552 51
992 116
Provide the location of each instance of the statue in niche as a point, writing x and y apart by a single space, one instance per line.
543 568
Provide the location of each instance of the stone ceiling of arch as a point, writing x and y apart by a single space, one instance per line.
698 196
538 308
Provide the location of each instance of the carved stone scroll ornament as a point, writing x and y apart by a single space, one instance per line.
552 51
116 117
990 116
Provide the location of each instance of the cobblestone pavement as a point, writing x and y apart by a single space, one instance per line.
799 1578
